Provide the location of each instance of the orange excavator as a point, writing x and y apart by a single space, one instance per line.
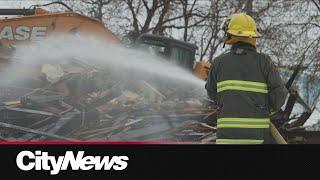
36 23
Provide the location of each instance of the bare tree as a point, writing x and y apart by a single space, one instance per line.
95 7
286 25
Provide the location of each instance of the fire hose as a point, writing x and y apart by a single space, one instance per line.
276 135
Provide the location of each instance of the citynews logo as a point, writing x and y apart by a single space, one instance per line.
27 160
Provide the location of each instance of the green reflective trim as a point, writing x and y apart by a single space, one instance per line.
249 123
243 126
240 88
240 85
260 84
239 141
244 120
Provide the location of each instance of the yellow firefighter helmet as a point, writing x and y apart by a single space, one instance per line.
243 25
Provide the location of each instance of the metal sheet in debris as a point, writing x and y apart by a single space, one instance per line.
66 124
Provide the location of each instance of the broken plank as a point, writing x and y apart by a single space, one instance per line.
12 103
153 89
28 130
31 111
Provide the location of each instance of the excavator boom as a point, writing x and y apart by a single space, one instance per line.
38 24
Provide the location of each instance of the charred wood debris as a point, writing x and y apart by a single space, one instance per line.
91 104
77 101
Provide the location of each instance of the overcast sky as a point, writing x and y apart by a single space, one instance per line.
20 3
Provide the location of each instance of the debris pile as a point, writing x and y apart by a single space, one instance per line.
79 102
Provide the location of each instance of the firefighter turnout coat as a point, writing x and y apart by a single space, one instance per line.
246 86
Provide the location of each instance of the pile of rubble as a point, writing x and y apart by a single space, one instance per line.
79 102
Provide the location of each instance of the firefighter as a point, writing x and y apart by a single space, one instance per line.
246 86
